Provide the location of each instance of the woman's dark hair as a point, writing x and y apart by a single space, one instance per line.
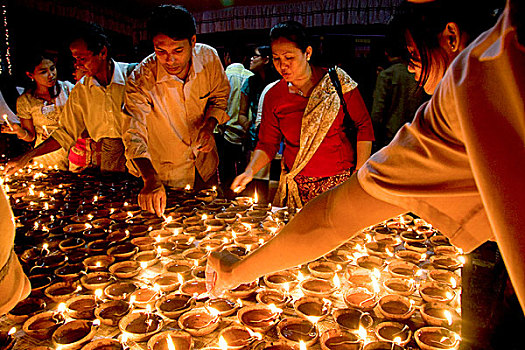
94 37
292 31
31 62
425 21
264 51
172 20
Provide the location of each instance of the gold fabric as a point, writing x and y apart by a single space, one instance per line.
321 111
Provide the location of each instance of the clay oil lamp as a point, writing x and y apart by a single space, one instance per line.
446 250
192 221
259 214
316 287
250 222
259 318
199 322
412 236
144 243
295 330
62 291
120 216
125 269
403 269
98 246
436 292
445 277
447 262
75 229
120 290
146 258
213 225
401 286
122 251
382 345
117 237
393 332
111 312
42 325
239 229
379 249
175 228
338 257
25 309
237 337
96 280
140 325
276 297
168 282
242 291
197 231
94 234
370 262
171 340
272 345
249 242
419 247
441 315
228 217
351 319
146 297
70 272
183 242
323 269
437 338
312 309
335 339
243 201
196 255
39 283
166 249
175 304
396 307
160 236
81 307
195 288
223 307
98 263
103 344
199 272
211 245
206 196
410 256
439 240
7 341
54 260
283 280
180 266
32 254
80 219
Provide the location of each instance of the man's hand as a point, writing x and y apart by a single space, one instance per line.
240 182
205 141
219 273
152 197
16 164
12 128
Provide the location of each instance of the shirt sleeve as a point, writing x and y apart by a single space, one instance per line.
71 123
23 107
220 91
270 135
137 106
359 114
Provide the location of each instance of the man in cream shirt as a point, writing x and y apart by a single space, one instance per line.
174 99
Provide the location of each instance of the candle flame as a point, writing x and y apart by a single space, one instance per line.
96 323
254 334
171 346
223 344
302 345
274 309
449 295
98 264
255 197
61 307
376 274
397 340
313 319
188 187
132 300
337 281
204 217
361 332
45 245
148 308
12 331
98 293
143 265
300 276
213 311
124 338
423 256
79 288
239 301
448 316
462 259
180 278
237 189
453 282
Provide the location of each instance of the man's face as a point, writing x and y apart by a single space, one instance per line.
174 55
85 60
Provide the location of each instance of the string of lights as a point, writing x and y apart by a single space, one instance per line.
6 44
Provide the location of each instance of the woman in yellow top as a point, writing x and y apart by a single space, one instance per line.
39 108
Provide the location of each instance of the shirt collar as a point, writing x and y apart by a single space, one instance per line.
119 76
196 67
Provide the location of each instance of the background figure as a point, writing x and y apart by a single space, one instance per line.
251 105
303 109
40 106
230 137
396 94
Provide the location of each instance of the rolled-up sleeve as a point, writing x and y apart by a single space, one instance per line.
219 93
71 123
359 114
137 107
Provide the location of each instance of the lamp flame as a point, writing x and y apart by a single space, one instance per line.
223 345
448 316
302 345
12 331
453 282
171 346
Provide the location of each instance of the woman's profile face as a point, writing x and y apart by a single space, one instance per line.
289 60
437 65
45 74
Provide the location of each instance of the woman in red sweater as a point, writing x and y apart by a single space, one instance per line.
304 111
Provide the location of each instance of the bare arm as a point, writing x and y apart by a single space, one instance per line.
322 225
258 161
364 149
48 146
